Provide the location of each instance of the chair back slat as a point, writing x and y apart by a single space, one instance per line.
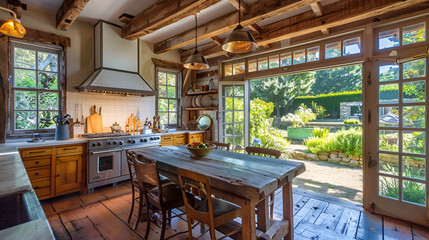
221 146
130 160
147 174
265 152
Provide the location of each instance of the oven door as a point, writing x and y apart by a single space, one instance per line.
104 165
124 167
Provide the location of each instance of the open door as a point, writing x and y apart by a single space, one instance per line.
397 180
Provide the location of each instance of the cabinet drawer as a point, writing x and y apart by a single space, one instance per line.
43 191
36 152
67 150
179 140
196 137
167 143
167 138
37 162
39 173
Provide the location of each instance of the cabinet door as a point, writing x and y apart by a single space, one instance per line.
196 137
68 173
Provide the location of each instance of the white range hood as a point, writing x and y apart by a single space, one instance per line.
116 64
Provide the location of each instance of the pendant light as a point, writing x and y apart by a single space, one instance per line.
240 40
13 25
196 61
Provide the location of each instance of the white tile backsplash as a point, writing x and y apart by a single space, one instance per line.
113 108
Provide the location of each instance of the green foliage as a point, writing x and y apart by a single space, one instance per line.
321 133
347 141
351 121
301 116
261 125
319 110
338 79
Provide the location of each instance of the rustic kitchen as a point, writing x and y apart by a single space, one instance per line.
133 119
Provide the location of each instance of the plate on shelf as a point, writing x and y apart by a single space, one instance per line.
184 99
198 101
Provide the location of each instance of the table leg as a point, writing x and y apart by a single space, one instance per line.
288 208
263 216
248 225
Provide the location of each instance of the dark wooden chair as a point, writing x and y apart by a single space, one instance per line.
221 146
163 197
266 152
134 182
201 206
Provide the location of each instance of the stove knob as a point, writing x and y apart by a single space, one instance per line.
152 138
99 144
93 144
142 140
133 141
115 142
145 140
157 138
109 143
121 142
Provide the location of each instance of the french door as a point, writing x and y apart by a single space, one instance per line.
397 158
234 113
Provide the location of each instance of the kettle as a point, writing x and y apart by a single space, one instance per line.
115 127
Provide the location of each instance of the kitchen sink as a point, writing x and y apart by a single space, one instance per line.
19 208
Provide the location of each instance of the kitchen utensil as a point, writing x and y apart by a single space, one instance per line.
76 112
115 127
211 84
81 108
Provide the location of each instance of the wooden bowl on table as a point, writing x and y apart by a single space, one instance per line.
199 152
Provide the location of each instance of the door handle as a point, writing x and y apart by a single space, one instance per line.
37 174
37 162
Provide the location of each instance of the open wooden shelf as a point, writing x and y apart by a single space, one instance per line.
203 92
202 108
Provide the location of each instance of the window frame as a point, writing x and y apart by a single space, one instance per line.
178 95
47 48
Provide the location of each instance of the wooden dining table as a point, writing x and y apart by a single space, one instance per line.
243 179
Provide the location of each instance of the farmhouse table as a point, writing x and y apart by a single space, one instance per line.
243 179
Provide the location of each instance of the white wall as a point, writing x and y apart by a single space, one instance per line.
80 64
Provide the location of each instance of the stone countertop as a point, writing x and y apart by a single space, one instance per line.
13 146
13 176
180 132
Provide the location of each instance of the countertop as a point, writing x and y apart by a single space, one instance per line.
180 132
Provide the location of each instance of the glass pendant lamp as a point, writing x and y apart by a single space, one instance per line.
196 61
13 25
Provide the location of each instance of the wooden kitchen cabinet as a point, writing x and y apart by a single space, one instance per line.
56 170
196 137
181 139
167 140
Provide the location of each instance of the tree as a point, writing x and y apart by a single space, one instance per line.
338 79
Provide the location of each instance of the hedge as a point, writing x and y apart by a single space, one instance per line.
331 101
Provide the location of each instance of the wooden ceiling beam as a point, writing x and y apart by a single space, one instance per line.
336 14
217 40
161 14
68 13
257 12
255 28
244 6
325 31
317 9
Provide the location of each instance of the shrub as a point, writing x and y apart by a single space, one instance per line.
321 133
300 116
347 141
261 125
351 121
319 110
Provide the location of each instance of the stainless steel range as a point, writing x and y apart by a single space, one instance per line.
107 161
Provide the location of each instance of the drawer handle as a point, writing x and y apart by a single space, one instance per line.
167 138
180 137
37 187
37 174
37 152
58 175
70 148
37 162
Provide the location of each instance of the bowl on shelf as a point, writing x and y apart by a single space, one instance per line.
199 152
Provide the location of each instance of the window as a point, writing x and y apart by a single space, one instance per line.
36 90
168 97
388 39
253 65
228 70
333 50
238 68
274 61
414 33
286 59
313 54
351 46
262 63
299 56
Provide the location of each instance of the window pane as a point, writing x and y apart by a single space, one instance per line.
47 62
45 119
171 92
313 54
414 167
48 100
172 105
228 116
228 130
239 116
333 50
173 118
25 120
262 63
388 140
388 163
25 100
413 92
228 70
162 105
351 46
253 65
389 116
414 192
239 103
388 39
163 117
25 58
25 78
48 81
414 69
162 78
413 142
162 91
239 91
238 68
388 93
286 59
239 140
171 79
228 140
414 116
239 129
388 187
228 103
299 56
414 33
388 73
228 91
274 61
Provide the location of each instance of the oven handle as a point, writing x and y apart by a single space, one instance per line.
116 150
151 145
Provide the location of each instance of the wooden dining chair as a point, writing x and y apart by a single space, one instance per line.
201 206
237 148
221 146
163 197
266 152
134 182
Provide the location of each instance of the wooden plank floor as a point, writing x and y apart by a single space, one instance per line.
104 214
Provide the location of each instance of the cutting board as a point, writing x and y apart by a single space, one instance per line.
94 123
